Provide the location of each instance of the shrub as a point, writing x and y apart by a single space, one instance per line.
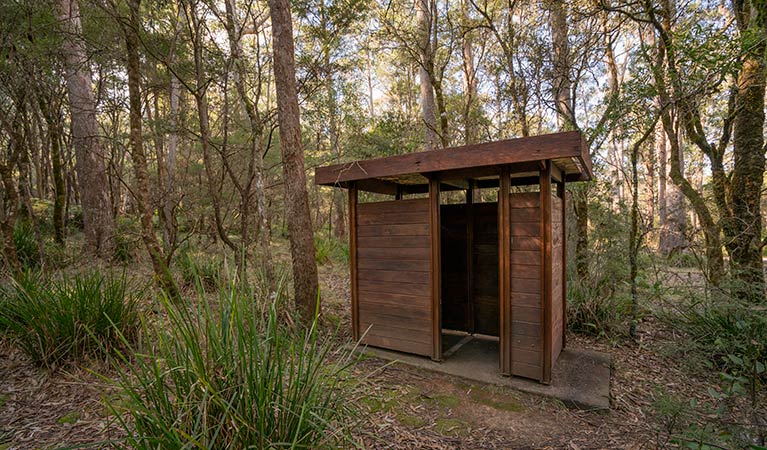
234 377
63 321
595 309
328 249
729 335
126 238
202 271
25 241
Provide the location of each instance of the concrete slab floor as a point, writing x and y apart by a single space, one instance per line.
580 378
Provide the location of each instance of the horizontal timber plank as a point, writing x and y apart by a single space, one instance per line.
525 200
393 242
526 342
526 314
416 301
522 299
525 229
401 345
414 265
391 218
398 277
395 288
526 370
393 253
531 258
411 229
526 243
525 285
525 329
410 205
387 317
532 214
389 329
526 356
526 271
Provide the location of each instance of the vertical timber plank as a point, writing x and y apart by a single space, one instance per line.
504 269
562 195
546 328
435 270
353 259
470 257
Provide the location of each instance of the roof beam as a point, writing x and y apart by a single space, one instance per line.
535 148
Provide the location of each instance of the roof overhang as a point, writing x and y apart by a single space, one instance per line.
410 172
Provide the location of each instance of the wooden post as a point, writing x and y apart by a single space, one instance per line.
470 320
353 259
563 196
435 270
546 325
504 270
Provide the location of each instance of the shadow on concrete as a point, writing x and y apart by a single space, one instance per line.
580 378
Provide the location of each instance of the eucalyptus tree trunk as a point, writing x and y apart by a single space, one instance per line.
141 189
9 198
91 172
426 61
660 139
561 60
673 235
339 218
59 186
255 182
469 76
305 283
664 71
744 228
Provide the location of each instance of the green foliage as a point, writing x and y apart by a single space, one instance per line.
599 303
25 241
328 249
201 270
729 336
233 376
63 321
126 238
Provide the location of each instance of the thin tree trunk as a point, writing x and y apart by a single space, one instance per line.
59 185
256 172
423 16
141 190
469 76
91 172
660 139
201 99
561 59
305 281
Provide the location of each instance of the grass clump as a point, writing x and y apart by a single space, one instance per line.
200 271
25 242
233 376
328 249
63 321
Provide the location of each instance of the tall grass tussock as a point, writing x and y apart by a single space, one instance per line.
63 321
232 375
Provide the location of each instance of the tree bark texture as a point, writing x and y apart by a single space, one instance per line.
425 63
141 190
89 163
744 228
305 282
